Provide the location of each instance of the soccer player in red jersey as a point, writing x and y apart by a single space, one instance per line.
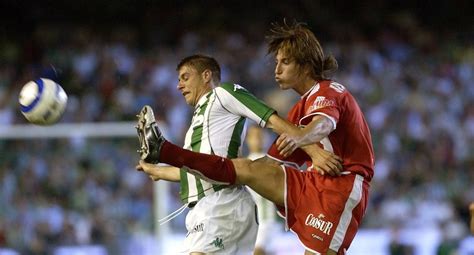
324 208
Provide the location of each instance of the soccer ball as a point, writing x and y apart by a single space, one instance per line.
42 101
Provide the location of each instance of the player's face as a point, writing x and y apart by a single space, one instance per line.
191 84
287 71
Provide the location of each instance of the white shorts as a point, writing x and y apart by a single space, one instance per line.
224 222
268 224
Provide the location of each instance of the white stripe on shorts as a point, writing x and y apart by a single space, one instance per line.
352 202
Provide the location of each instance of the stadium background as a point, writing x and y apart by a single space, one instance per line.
410 64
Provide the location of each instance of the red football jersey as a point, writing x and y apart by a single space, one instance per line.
351 140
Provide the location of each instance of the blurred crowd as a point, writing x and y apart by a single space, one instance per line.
415 87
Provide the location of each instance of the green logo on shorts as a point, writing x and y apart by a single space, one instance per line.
218 243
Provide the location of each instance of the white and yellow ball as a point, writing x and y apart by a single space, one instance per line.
42 101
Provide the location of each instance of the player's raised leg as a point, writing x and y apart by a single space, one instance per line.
265 178
154 148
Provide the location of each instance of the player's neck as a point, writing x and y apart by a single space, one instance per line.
208 89
202 93
305 86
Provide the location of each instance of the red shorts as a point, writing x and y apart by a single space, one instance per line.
324 211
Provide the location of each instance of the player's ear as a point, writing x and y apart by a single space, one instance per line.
207 75
306 70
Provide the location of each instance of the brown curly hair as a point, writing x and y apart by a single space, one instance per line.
300 43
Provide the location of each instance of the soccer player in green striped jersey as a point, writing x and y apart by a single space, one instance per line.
222 218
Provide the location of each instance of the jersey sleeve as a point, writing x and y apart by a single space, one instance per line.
325 102
237 100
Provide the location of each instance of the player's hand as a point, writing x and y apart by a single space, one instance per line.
149 169
287 144
325 162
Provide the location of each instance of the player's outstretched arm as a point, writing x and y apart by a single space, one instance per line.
323 161
314 132
279 125
157 172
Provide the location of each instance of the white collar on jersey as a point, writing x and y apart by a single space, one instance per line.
312 90
202 100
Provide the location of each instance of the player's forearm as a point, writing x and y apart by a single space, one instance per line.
317 130
280 125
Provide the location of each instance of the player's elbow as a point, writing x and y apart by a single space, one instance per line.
324 127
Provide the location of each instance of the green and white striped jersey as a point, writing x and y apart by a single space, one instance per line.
217 128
